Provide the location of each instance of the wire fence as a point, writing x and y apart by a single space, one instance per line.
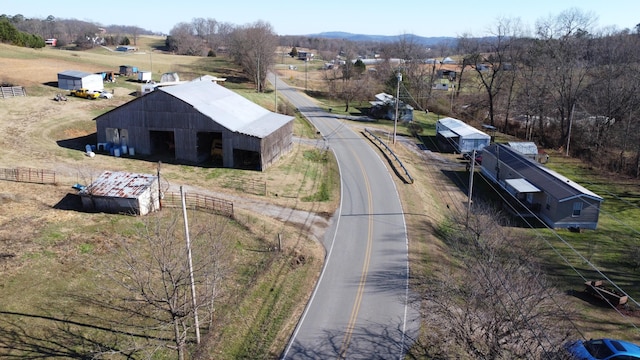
38 176
249 186
199 202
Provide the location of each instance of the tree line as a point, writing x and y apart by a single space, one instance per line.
564 84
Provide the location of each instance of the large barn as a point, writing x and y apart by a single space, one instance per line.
73 80
198 122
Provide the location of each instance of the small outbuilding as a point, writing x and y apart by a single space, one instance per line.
456 135
122 193
73 80
526 148
540 192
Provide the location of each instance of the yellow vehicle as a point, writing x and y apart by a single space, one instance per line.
84 93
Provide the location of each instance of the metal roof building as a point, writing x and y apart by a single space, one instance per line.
541 192
73 80
122 192
199 122
456 135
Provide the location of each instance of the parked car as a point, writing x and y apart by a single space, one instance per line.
105 94
603 349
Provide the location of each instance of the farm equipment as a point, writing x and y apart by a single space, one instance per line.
60 97
609 295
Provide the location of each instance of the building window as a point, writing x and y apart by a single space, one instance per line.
548 203
577 208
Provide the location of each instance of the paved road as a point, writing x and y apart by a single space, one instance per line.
359 308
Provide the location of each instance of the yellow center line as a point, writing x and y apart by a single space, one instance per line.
365 269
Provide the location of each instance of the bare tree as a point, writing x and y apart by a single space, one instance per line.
490 57
183 41
497 303
149 283
254 47
565 42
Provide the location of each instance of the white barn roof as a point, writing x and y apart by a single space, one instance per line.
461 129
227 108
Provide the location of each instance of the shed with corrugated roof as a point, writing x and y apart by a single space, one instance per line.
122 193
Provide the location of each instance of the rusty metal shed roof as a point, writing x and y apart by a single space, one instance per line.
120 184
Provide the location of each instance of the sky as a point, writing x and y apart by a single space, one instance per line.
373 17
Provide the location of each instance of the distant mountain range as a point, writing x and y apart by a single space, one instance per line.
427 41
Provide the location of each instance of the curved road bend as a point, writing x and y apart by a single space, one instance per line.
359 307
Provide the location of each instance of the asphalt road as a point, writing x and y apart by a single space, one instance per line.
359 308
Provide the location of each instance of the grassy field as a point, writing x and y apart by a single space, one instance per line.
48 253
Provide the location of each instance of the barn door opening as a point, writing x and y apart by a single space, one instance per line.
163 143
210 147
244 159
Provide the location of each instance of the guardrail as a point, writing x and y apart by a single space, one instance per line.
393 155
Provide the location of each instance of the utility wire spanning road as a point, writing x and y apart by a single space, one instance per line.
359 308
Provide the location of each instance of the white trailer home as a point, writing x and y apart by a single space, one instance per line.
455 135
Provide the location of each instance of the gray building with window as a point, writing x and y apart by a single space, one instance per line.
537 191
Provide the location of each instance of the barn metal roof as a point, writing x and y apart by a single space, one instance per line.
227 108
524 147
120 184
76 74
462 129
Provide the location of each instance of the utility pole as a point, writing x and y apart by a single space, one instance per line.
471 171
395 123
306 61
193 283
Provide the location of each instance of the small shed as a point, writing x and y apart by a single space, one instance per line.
73 79
456 135
122 192
526 148
127 70
169 77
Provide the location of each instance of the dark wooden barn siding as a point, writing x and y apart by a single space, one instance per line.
159 111
276 144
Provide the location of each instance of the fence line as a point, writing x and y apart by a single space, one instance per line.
199 202
12 91
38 176
251 186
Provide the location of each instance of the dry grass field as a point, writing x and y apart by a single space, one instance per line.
47 250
